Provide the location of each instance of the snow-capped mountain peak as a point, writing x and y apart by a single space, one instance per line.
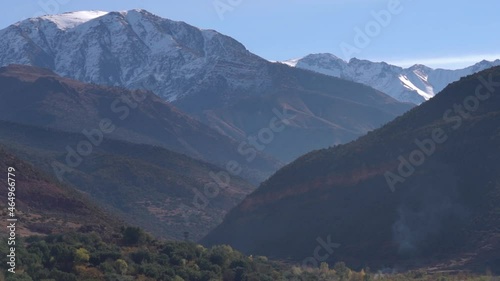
72 19
415 84
133 49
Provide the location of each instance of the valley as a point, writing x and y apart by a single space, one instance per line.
140 147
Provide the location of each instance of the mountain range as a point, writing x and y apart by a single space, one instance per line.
133 132
415 84
119 119
205 74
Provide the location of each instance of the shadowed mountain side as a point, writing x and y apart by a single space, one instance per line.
165 192
442 214
44 206
38 97
323 111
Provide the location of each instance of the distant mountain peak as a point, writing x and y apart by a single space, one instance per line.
420 66
323 55
486 63
415 84
357 60
140 12
317 57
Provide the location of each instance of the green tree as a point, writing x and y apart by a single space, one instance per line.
121 266
323 267
82 255
133 235
342 271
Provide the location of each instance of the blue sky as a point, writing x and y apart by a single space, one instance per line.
448 34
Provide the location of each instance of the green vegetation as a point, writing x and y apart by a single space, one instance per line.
134 255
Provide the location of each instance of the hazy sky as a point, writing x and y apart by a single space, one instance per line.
443 33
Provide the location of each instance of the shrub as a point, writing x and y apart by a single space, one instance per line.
121 266
133 236
141 256
82 255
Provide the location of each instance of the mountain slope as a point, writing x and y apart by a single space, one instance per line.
38 97
414 84
164 192
43 206
322 111
204 73
443 212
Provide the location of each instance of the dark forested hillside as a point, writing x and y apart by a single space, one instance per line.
157 189
45 206
422 190
39 97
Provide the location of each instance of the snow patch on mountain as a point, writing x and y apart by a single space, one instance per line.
292 62
409 85
73 19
